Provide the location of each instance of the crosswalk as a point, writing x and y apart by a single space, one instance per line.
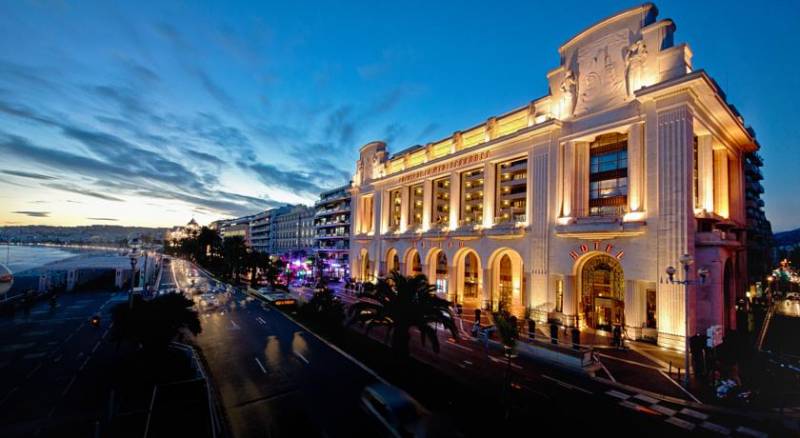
681 416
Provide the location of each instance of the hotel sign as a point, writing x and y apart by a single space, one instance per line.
450 165
597 245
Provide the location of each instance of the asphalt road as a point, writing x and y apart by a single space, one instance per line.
273 377
48 357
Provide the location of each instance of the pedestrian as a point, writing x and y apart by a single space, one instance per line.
697 349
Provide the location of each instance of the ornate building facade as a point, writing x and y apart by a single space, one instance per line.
574 204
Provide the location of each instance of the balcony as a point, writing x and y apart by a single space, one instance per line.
602 227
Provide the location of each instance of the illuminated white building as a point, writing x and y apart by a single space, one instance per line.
574 204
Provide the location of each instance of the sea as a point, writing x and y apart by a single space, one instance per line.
23 258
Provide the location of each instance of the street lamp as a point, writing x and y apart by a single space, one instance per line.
686 261
134 259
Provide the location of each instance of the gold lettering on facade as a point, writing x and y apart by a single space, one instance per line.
454 164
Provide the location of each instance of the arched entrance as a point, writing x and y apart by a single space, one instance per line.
392 261
508 280
602 293
413 263
469 277
437 270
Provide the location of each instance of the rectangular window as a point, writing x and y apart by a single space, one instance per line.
396 206
472 197
608 175
440 207
416 204
511 189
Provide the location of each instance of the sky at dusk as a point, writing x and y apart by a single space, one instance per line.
150 113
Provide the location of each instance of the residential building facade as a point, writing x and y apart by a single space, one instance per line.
575 204
332 224
292 232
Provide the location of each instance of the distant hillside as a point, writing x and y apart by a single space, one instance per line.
80 234
787 238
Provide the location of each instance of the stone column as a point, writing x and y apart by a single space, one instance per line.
580 203
721 183
378 214
570 307
455 199
705 172
636 154
404 196
427 194
567 179
676 219
530 186
489 184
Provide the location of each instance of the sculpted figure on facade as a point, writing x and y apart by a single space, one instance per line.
635 56
568 93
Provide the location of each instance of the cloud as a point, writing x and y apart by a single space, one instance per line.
110 219
426 132
82 191
33 213
28 174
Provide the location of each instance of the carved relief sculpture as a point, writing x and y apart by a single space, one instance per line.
568 94
634 66
601 73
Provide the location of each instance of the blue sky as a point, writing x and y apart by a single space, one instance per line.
148 113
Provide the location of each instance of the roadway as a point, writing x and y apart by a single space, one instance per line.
51 366
272 377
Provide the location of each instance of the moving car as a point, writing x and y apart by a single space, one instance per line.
277 298
209 301
401 415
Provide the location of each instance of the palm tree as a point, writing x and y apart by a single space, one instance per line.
155 323
400 304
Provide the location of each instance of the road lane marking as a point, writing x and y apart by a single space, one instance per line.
617 394
567 385
69 385
260 365
504 362
683 424
459 346
722 430
664 410
694 414
751 432
235 326
34 355
646 398
610 376
96 346
680 387
303 358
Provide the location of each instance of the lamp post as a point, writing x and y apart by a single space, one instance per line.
134 259
686 261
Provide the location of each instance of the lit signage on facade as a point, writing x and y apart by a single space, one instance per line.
450 165
597 245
